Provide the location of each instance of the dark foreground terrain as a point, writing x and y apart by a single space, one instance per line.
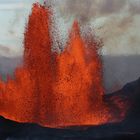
127 129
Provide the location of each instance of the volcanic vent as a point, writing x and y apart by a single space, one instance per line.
56 90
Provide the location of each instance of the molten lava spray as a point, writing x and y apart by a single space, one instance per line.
55 90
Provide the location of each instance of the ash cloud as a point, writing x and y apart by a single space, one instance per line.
134 7
86 10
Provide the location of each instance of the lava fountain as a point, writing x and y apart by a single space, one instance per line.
56 90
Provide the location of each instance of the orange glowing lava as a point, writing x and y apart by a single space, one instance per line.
55 90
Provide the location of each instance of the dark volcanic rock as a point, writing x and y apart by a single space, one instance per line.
129 93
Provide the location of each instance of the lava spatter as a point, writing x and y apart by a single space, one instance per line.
55 90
